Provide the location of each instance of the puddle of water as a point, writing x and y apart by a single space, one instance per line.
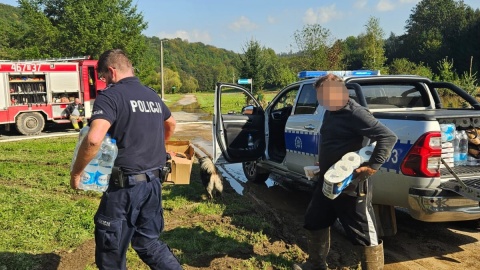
233 173
192 108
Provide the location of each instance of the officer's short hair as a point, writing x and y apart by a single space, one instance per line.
113 58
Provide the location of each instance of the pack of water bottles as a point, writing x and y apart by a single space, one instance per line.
96 174
448 134
460 145
454 145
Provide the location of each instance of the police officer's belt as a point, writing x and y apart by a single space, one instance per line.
119 179
143 176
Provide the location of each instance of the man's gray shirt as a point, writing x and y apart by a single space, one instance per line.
343 131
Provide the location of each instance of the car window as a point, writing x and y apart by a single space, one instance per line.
286 99
450 99
307 100
394 95
233 101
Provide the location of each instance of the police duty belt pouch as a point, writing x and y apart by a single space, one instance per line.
118 179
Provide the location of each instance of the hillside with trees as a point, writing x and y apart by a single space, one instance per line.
191 67
440 42
11 25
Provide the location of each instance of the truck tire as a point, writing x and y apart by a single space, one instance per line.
253 173
30 123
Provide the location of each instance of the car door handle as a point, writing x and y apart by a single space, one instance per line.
309 127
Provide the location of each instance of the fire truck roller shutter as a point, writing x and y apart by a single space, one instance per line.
30 123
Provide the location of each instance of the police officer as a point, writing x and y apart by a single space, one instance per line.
130 211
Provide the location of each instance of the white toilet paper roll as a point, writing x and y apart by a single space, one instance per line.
353 158
343 166
366 152
333 176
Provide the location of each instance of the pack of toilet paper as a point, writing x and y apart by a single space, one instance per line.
340 174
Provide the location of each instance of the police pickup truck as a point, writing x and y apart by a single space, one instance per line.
279 140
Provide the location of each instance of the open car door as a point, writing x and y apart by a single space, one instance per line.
238 125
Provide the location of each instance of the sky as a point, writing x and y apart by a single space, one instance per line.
231 24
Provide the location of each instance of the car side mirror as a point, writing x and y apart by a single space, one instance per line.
247 110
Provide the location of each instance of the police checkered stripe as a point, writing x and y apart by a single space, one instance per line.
301 153
300 132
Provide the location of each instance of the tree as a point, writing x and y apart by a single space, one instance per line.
253 65
335 56
172 78
446 71
205 63
146 70
402 66
373 45
284 75
40 39
467 50
434 30
12 28
277 72
313 43
468 82
82 27
204 77
393 46
189 83
353 54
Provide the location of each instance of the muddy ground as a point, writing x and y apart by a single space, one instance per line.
417 245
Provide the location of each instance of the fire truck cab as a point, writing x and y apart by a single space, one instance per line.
33 92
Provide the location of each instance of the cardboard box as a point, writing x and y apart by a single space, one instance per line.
182 159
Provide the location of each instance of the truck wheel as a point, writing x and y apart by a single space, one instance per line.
31 123
252 173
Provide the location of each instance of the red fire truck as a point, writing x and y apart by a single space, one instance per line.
33 92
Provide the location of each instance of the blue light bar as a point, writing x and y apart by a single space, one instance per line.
342 73
311 74
365 72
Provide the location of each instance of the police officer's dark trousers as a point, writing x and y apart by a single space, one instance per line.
132 214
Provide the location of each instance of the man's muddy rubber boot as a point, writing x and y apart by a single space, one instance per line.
76 126
372 257
318 247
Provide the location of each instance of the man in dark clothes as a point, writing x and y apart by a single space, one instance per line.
344 127
76 112
130 211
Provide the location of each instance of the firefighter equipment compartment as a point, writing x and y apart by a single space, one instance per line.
33 92
27 89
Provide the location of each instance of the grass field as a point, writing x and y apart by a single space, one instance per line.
40 214
171 99
38 211
230 101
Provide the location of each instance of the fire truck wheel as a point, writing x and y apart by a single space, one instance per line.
31 123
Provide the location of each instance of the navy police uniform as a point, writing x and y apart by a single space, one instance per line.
343 131
133 213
